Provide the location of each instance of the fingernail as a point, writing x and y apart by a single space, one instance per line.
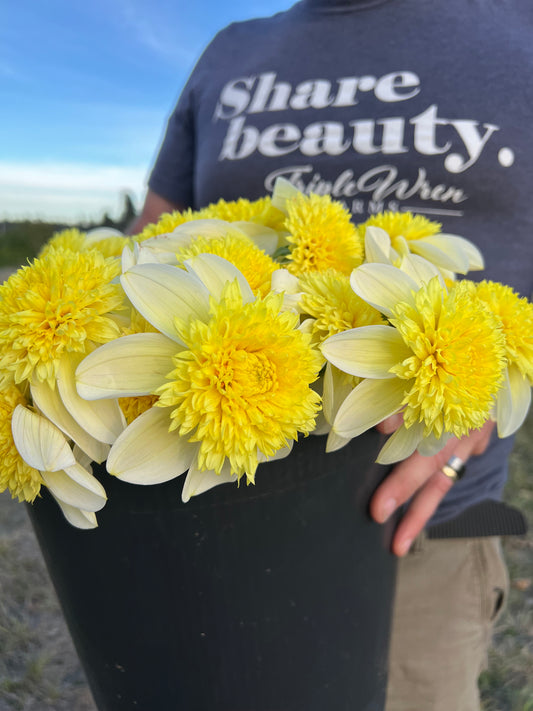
404 546
388 508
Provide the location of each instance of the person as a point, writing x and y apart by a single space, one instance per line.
402 105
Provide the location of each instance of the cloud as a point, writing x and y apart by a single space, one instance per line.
68 192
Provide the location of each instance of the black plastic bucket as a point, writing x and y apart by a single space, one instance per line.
273 597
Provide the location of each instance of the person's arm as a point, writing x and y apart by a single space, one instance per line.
154 206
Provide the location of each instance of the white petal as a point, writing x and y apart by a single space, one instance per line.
184 233
76 517
475 258
367 351
197 482
512 403
50 404
401 444
280 454
369 403
76 487
160 292
419 269
129 256
283 280
39 442
215 272
102 419
283 191
336 442
265 238
83 459
337 387
99 233
382 286
442 252
377 246
146 255
322 426
147 453
430 446
131 365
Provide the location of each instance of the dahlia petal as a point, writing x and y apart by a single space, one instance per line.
283 190
76 487
442 252
367 351
102 419
382 286
377 246
130 366
401 444
283 280
337 386
197 482
215 272
48 401
77 517
370 402
335 441
475 258
39 442
279 454
513 401
431 445
419 269
265 238
147 453
160 292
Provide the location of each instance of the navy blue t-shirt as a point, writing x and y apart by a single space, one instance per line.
419 105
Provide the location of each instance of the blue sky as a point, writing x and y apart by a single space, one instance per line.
85 91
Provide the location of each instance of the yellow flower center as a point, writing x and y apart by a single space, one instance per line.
330 300
321 236
243 385
58 304
251 261
516 317
457 362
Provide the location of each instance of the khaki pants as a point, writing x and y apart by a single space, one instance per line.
449 594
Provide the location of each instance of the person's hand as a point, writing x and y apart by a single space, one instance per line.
422 480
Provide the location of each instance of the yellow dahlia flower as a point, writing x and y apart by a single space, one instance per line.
440 362
231 370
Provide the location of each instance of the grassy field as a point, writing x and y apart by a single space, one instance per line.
39 670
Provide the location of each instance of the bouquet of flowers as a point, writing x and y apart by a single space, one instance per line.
211 341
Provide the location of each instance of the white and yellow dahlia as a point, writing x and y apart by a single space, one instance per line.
440 361
231 371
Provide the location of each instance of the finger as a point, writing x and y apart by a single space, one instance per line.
427 499
390 424
404 481
420 510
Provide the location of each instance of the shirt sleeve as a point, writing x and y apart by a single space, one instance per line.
172 176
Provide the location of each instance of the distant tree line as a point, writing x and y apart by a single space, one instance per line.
22 240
